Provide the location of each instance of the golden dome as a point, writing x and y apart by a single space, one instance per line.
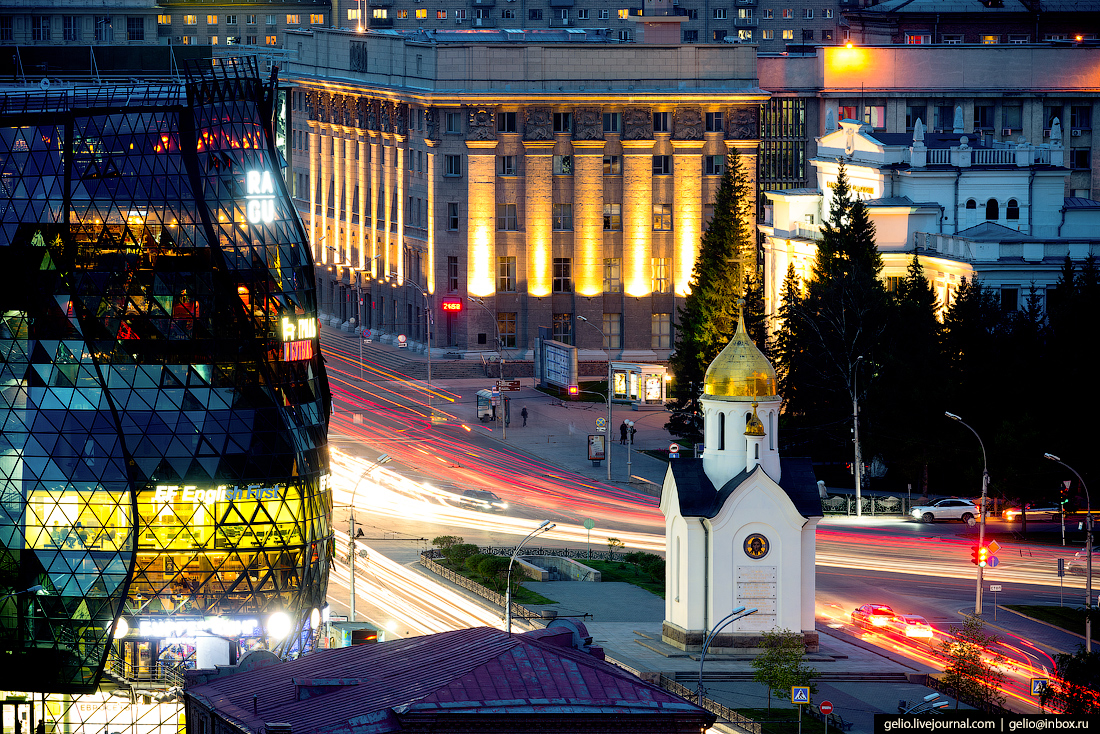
740 370
755 426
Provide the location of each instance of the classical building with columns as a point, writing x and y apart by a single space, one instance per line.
511 180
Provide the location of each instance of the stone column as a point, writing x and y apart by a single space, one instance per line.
481 193
378 267
399 172
687 171
430 275
389 175
314 179
335 240
637 217
538 215
364 186
588 250
324 150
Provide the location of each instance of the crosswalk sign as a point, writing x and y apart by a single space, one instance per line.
1038 686
800 694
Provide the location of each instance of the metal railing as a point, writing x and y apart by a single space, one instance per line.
722 712
168 674
843 504
518 610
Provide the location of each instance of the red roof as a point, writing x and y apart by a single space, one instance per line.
480 670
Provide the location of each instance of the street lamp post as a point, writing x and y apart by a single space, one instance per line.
733 616
981 509
1088 549
629 446
383 459
544 527
427 335
858 465
610 422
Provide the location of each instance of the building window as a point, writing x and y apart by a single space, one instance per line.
452 215
1010 299
534 14
40 27
660 122
983 116
826 35
293 19
714 165
691 36
807 35
452 266
719 14
1018 39
623 35
506 327
992 209
7 28
506 165
951 39
562 275
211 20
611 122
918 39
316 18
945 118
563 328
135 29
270 19
1012 209
1050 112
766 13
1080 158
563 122
788 13
714 122
788 35
807 13
612 165
990 39
271 40
71 27
187 20
452 165
582 14
662 165
509 14
250 19
1080 117
441 15
875 116
827 13
767 34
719 35
563 217
562 165
661 331
506 122
454 122
507 220
661 281
612 217
612 275
662 217
914 112
506 269
421 13
613 331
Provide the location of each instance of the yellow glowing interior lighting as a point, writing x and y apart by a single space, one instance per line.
638 285
481 261
847 60
538 277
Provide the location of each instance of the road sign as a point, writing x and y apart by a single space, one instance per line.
993 562
601 424
589 523
994 587
511 385
402 342
674 448
800 694
1061 567
1039 685
993 546
825 707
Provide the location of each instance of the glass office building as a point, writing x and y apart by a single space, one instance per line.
163 457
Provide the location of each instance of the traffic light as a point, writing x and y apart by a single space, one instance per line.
983 556
974 554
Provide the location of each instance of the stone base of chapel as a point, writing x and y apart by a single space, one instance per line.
725 643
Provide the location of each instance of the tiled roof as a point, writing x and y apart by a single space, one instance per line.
1079 202
993 232
478 670
699 498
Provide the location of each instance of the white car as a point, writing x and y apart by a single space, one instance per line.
1079 563
950 508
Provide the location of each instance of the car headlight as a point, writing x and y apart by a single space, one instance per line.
879 621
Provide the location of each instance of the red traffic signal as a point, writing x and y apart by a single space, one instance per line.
979 555
574 390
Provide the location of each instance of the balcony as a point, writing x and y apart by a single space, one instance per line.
743 3
483 3
745 22
380 22
561 23
380 3
483 22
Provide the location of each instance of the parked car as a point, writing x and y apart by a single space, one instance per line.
950 508
910 625
1012 514
482 499
1079 563
873 615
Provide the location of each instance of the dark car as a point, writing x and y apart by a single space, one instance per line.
482 499
873 615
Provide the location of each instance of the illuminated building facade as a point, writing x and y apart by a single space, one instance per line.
165 405
550 176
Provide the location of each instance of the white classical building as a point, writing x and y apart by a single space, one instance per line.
740 522
996 212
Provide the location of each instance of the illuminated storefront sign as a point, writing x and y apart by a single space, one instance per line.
297 351
260 195
167 494
189 628
298 335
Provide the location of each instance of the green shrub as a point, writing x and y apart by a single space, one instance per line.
494 570
472 562
460 552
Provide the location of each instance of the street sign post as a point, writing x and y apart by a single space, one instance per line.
601 424
826 708
589 523
800 695
674 451
994 588
1039 685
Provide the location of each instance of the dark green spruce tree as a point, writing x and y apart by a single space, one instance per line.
838 326
724 272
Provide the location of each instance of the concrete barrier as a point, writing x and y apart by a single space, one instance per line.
565 567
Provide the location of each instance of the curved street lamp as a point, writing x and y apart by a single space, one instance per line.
544 527
1088 549
407 281
733 616
383 459
858 465
981 510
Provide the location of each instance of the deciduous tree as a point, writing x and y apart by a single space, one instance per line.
780 665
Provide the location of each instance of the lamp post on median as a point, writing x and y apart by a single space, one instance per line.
1088 550
981 509
383 459
858 465
607 441
427 336
733 616
544 527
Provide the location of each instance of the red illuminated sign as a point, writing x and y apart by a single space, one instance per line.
452 304
297 351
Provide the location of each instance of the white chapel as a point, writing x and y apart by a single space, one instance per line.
740 522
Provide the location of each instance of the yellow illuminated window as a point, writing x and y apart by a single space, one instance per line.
190 20
661 331
991 39
402 13
788 35
293 19
662 217
624 13
421 13
381 13
316 18
353 14
661 281
213 40
164 20
211 20
271 40
612 275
